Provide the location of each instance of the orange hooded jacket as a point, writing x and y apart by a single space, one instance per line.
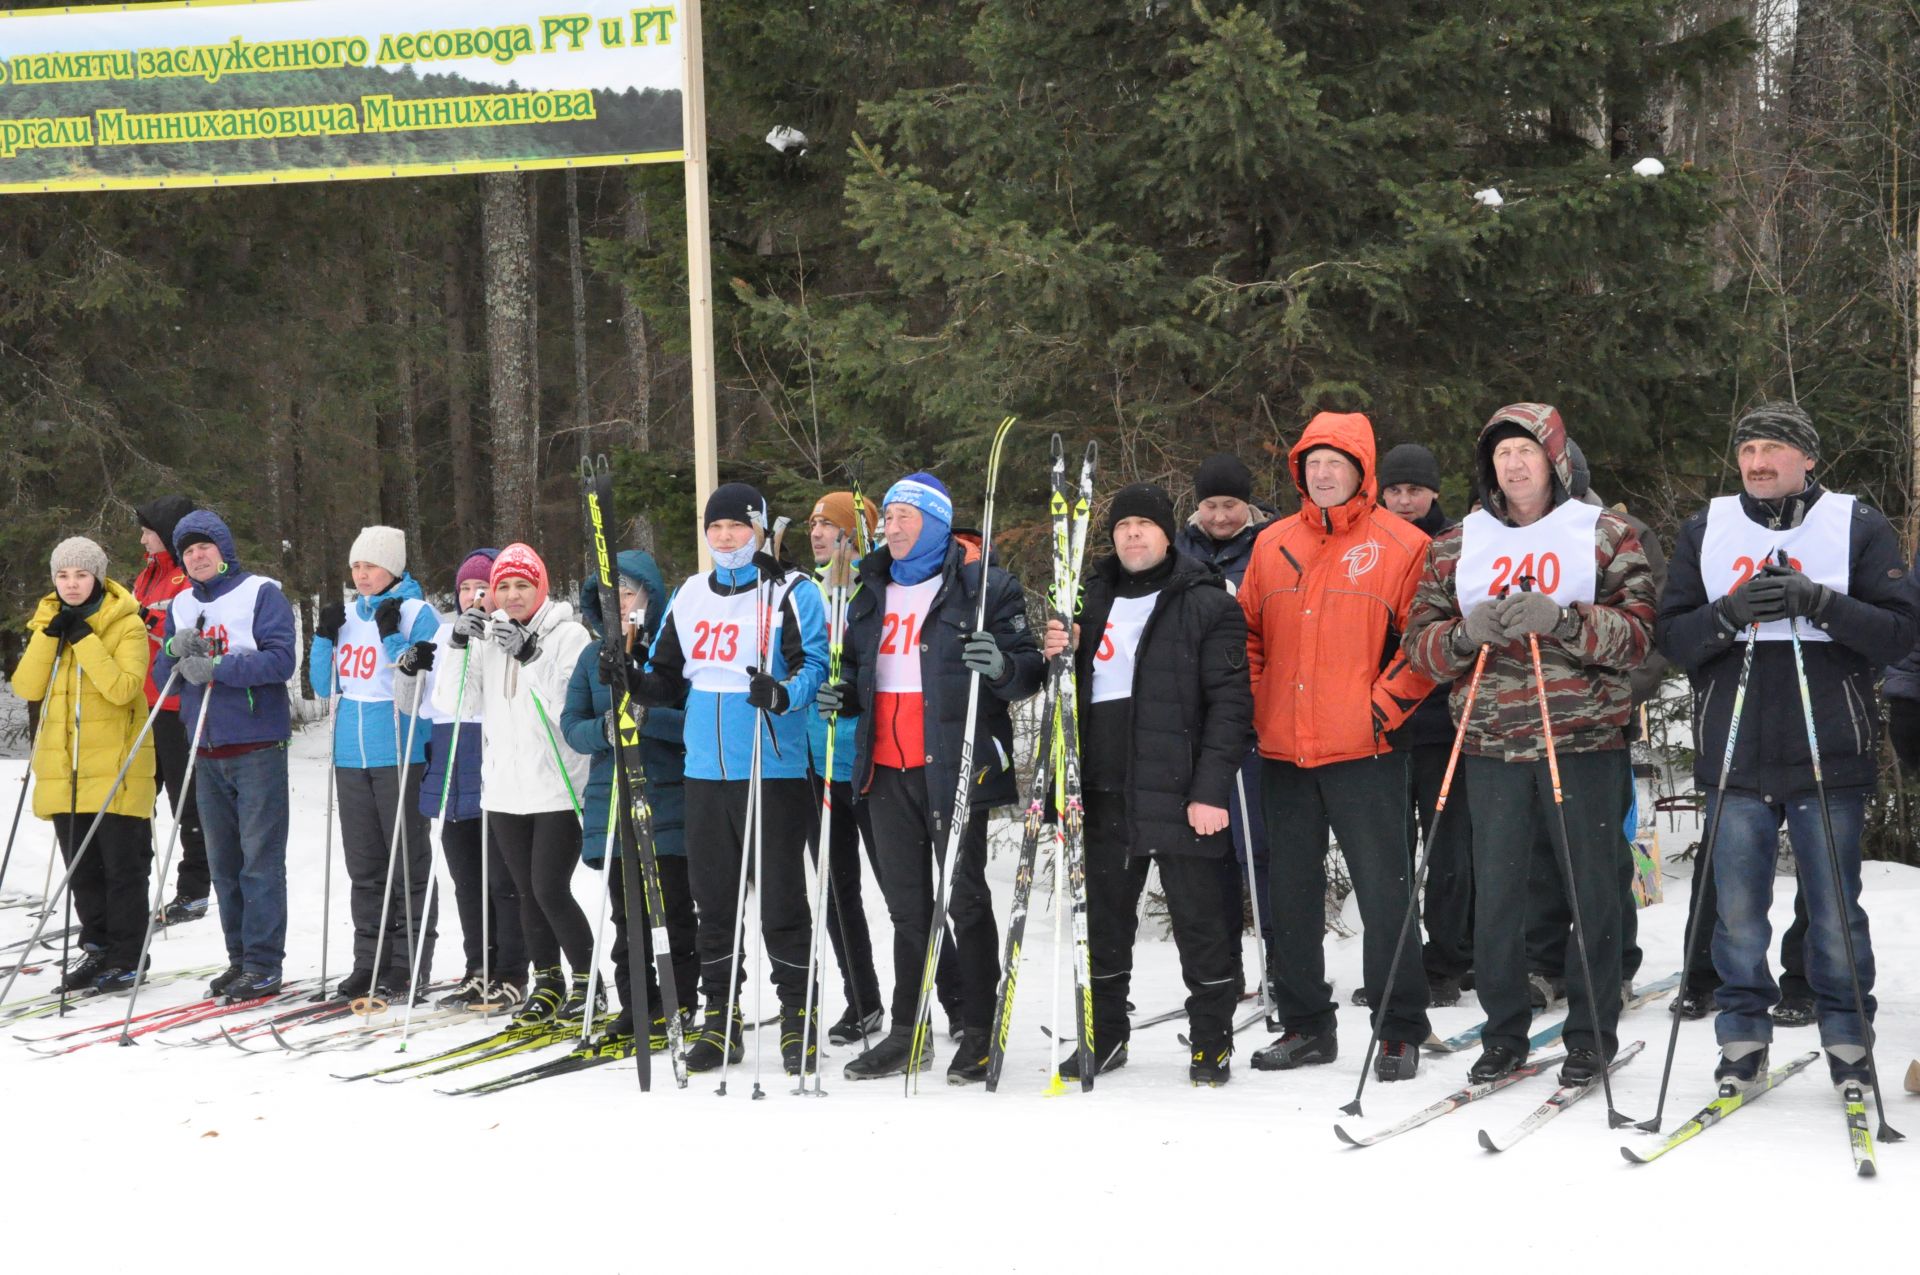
1326 597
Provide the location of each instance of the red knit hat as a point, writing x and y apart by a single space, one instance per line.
521 561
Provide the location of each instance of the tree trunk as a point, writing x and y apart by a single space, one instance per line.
466 478
633 325
405 460
507 240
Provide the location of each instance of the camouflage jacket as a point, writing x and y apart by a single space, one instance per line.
1589 695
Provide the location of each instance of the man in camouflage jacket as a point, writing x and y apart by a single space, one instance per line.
1519 563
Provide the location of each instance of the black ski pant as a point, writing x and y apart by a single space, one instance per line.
681 932
1704 979
1512 806
505 953
1448 907
1247 824
1365 804
908 854
846 919
1208 942
110 888
716 831
541 851
368 800
193 880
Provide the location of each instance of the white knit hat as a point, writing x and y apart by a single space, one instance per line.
383 547
78 551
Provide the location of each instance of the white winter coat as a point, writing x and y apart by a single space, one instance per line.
518 774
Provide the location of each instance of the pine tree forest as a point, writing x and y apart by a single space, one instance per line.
1174 226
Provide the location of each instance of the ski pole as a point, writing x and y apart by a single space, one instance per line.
1704 867
1253 892
53 897
372 1003
166 861
739 917
326 862
1837 880
963 782
1565 847
433 875
26 776
1419 873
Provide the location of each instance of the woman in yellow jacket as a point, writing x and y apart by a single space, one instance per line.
93 626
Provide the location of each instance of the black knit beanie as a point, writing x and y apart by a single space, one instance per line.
1142 500
1222 475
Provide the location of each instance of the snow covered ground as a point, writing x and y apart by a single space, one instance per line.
208 1158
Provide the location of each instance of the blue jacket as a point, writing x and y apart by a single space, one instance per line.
463 794
582 723
846 734
249 702
364 735
720 726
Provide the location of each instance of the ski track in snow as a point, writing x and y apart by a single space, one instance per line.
194 1156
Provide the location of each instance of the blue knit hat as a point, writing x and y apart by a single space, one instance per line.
924 492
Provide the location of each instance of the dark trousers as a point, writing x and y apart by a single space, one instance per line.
541 851
1550 920
1903 732
505 955
1705 904
1448 905
846 918
193 880
1365 804
1512 805
907 856
1209 944
681 933
368 800
1247 823
716 832
110 887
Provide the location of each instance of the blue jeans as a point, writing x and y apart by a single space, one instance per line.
1743 862
243 814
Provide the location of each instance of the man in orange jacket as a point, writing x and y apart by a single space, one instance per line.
1326 597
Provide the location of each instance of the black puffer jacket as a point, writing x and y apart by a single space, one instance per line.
1190 719
1873 625
943 678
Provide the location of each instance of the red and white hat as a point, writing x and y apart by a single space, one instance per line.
520 561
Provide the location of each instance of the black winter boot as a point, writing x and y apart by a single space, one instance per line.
544 1001
1104 1061
1494 1063
716 1042
969 1065
1298 1049
889 1056
1397 1060
1211 1064
576 1003
799 1040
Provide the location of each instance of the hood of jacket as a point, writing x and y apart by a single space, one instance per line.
638 564
208 524
1543 422
1350 434
163 514
405 588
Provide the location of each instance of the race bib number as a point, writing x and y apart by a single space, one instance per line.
1554 556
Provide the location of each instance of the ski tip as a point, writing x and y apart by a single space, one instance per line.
1631 1156
1341 1133
1867 1169
1487 1143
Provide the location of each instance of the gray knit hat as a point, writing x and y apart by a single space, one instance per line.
78 551
1782 422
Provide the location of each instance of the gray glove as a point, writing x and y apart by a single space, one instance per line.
471 626
197 669
832 698
1527 612
516 640
613 726
188 645
1481 627
406 692
983 655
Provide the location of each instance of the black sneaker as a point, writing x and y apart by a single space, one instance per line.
544 1002
1442 991
472 991
218 987
116 978
850 1028
355 985
1494 1063
1692 1005
969 1065
1211 1063
252 985
713 1044
1743 1071
1794 1010
1104 1061
799 1040
81 973
576 1003
1397 1060
1298 1049
888 1057
1582 1068
182 910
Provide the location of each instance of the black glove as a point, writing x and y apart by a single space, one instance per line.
415 659
1800 593
837 697
386 617
471 626
983 655
613 670
332 616
67 625
765 691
